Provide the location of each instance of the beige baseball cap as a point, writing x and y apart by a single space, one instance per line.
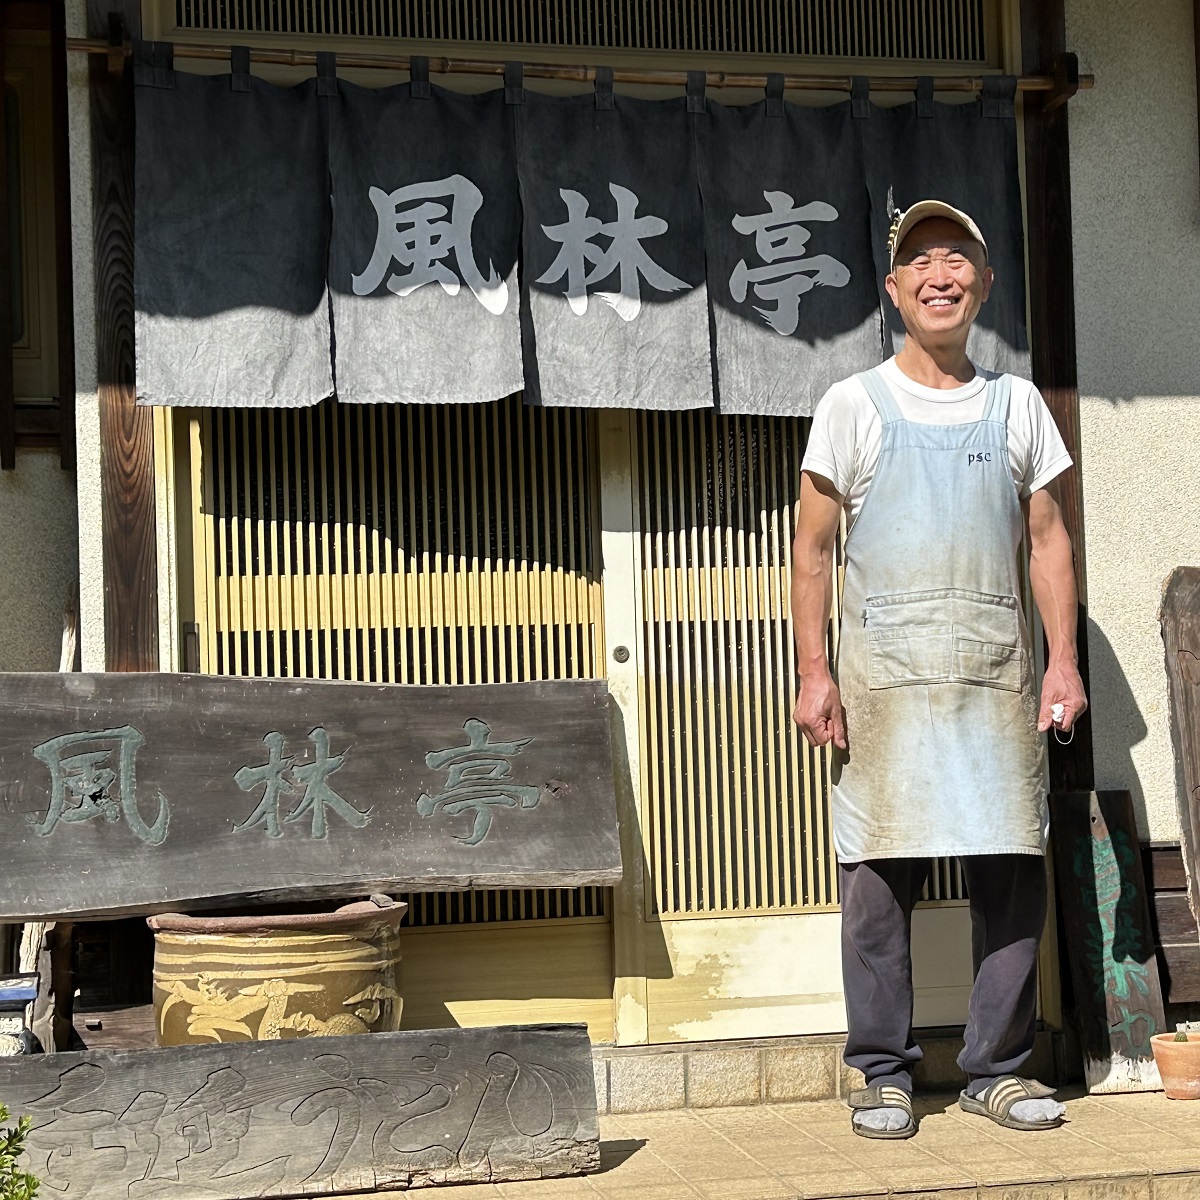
902 222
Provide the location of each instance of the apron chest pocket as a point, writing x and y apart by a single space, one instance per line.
947 635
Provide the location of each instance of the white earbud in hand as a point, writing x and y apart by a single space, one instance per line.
1057 712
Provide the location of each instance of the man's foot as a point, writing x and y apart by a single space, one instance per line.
1016 1103
883 1111
1038 1110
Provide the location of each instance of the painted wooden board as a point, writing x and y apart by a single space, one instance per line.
141 793
1110 944
309 1116
1180 619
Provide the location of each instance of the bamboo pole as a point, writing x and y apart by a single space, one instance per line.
581 74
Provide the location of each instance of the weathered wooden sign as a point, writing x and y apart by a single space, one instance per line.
1106 913
124 793
1180 618
309 1116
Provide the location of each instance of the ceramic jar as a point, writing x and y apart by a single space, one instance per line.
261 978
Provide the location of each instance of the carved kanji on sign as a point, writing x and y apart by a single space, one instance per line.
478 780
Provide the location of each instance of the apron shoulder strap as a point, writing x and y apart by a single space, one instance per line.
881 395
999 393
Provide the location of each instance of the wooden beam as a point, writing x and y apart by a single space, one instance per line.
310 1116
1179 964
1173 920
1052 312
142 792
1164 869
126 431
441 65
64 295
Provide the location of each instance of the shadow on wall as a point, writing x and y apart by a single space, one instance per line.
1118 724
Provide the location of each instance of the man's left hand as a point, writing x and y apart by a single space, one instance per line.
1061 685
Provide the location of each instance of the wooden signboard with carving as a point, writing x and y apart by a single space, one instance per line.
1180 617
309 1116
1110 944
141 793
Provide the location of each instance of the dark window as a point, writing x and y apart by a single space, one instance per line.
37 375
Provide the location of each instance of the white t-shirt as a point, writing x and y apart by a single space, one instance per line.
843 443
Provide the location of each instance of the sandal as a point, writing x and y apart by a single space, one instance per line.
997 1100
882 1096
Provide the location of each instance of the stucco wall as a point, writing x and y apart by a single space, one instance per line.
39 539
1136 215
38 560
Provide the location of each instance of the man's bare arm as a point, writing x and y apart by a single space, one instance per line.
1052 577
818 710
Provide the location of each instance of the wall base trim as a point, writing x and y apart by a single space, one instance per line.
633 1079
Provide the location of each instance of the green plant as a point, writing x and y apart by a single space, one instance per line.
15 1184
1180 1036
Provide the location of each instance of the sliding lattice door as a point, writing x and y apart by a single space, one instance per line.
738 802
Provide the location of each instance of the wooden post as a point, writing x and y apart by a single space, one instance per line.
618 515
48 949
1180 617
126 431
64 293
1052 313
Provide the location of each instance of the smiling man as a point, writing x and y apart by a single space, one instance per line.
941 470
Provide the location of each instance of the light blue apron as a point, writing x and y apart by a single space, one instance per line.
934 659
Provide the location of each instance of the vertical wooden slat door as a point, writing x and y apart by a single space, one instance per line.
738 802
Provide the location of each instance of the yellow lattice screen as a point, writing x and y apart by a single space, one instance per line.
404 544
419 544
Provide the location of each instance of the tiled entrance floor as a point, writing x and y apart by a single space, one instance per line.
1137 1147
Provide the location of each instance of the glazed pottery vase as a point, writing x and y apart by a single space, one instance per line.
262 978
1178 1064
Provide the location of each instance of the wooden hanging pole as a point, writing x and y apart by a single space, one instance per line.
572 74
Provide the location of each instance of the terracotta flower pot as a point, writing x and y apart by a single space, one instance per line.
1178 1064
237 979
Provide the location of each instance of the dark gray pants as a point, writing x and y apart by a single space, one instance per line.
1008 910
